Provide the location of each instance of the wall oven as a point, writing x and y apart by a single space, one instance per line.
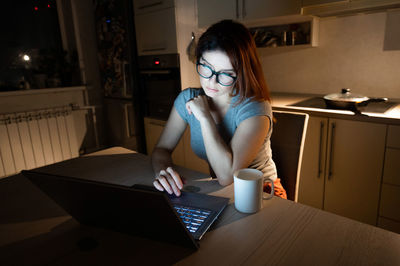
160 83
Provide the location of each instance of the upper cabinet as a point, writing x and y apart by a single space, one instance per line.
146 6
324 8
261 9
321 2
155 25
210 11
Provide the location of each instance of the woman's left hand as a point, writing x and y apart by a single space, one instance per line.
198 106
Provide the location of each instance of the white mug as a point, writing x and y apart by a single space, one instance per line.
248 187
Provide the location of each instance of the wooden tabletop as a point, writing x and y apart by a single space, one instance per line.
36 231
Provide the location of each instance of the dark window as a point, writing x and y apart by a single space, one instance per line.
31 51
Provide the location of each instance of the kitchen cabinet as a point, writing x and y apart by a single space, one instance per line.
146 6
153 129
291 32
210 11
389 213
321 2
342 167
156 32
120 117
182 155
324 8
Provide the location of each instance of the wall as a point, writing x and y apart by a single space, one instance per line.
352 53
186 23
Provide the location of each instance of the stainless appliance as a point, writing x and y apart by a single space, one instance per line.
160 83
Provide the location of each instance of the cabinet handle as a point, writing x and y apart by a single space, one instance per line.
156 72
153 49
237 9
150 5
320 149
244 8
157 124
331 150
127 124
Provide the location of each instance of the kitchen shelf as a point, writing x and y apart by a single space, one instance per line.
294 34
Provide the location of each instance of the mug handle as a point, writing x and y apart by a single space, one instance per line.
270 195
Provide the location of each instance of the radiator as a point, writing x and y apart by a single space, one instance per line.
36 138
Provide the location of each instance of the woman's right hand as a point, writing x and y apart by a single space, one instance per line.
169 180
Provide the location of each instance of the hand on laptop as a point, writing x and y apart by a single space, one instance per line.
170 181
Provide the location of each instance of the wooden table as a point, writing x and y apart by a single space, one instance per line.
36 231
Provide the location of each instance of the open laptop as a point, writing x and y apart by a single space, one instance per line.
139 210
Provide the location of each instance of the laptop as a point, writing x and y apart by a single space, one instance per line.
138 210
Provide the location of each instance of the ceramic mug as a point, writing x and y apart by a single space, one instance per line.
248 187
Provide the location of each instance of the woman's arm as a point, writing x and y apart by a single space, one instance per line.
166 177
245 144
243 148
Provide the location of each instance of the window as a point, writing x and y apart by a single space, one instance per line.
31 53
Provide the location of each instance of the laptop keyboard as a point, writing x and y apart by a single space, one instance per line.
192 217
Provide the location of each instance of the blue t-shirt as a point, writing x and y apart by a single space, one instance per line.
233 117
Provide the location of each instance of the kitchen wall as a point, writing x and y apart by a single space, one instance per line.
361 52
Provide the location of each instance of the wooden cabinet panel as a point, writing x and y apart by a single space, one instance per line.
210 11
390 202
389 224
393 138
153 130
183 154
391 172
321 2
354 169
146 6
260 9
342 167
156 32
311 183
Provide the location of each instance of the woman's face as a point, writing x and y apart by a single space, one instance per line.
219 62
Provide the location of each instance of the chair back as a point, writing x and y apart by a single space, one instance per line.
287 143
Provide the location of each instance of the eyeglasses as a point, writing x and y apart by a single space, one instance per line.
222 78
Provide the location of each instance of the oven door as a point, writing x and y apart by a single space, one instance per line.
160 88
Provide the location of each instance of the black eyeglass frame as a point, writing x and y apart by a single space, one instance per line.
214 73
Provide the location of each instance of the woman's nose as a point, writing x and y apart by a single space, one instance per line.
213 79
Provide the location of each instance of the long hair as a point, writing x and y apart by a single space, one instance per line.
238 43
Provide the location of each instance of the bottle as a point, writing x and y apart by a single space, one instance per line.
284 38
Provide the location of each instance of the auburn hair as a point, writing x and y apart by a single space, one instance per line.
237 42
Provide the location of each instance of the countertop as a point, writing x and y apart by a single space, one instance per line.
282 101
35 231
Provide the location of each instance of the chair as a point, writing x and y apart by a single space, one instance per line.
287 144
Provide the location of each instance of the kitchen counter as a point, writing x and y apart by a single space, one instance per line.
35 231
282 101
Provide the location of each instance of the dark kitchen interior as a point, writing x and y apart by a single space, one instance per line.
83 83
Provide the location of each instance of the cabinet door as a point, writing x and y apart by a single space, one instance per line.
259 9
320 2
311 183
354 169
120 123
153 129
156 32
211 11
146 6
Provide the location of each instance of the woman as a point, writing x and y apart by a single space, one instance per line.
231 124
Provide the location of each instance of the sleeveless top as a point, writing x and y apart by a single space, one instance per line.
232 119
